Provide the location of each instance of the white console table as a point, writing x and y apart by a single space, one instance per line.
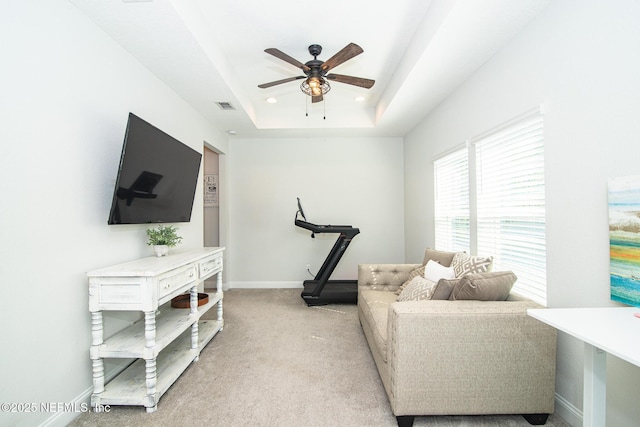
613 330
167 339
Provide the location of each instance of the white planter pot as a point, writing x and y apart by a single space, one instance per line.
161 250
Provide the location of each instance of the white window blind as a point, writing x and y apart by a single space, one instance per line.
451 181
511 202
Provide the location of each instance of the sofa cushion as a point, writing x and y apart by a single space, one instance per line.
441 257
443 289
493 286
418 289
463 264
375 309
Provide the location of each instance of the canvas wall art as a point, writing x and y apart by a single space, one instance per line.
210 191
624 239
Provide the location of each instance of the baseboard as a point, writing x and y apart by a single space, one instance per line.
83 401
568 412
265 285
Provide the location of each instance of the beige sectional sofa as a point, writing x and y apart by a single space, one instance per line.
456 355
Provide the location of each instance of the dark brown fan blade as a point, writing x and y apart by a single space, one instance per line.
277 82
317 98
350 80
347 52
281 55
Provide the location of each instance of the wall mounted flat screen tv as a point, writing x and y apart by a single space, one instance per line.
157 177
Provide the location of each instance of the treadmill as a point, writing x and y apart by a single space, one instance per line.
321 290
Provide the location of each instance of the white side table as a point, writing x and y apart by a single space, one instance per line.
613 330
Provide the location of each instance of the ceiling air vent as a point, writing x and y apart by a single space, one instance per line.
225 105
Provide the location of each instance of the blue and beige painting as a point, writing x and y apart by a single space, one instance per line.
624 239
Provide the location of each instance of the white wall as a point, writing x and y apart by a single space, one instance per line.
341 181
581 60
66 92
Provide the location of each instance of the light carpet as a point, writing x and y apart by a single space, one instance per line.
279 362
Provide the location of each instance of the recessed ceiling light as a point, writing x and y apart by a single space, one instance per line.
359 98
271 100
231 132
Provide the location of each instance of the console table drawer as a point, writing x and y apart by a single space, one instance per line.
210 265
175 279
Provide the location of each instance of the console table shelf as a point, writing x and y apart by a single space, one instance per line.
129 387
170 323
166 340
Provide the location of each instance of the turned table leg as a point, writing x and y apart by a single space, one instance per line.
150 364
219 289
97 362
193 300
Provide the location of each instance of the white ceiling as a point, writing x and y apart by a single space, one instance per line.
417 51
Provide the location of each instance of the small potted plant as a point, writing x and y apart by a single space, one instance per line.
162 238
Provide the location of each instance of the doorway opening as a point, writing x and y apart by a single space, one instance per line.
211 216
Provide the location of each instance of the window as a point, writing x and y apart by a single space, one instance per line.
507 205
451 191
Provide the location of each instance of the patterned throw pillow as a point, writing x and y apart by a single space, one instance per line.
417 272
464 264
418 289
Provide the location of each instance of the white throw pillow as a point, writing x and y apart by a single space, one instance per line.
434 272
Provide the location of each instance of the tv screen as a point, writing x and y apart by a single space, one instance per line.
157 177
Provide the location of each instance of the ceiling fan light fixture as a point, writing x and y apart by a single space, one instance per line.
315 83
315 86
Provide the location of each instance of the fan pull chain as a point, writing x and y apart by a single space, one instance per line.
306 108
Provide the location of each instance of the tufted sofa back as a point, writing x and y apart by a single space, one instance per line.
384 277
389 277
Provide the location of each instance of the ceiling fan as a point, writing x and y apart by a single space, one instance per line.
315 83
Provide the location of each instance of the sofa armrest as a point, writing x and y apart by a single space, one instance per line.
469 357
384 277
